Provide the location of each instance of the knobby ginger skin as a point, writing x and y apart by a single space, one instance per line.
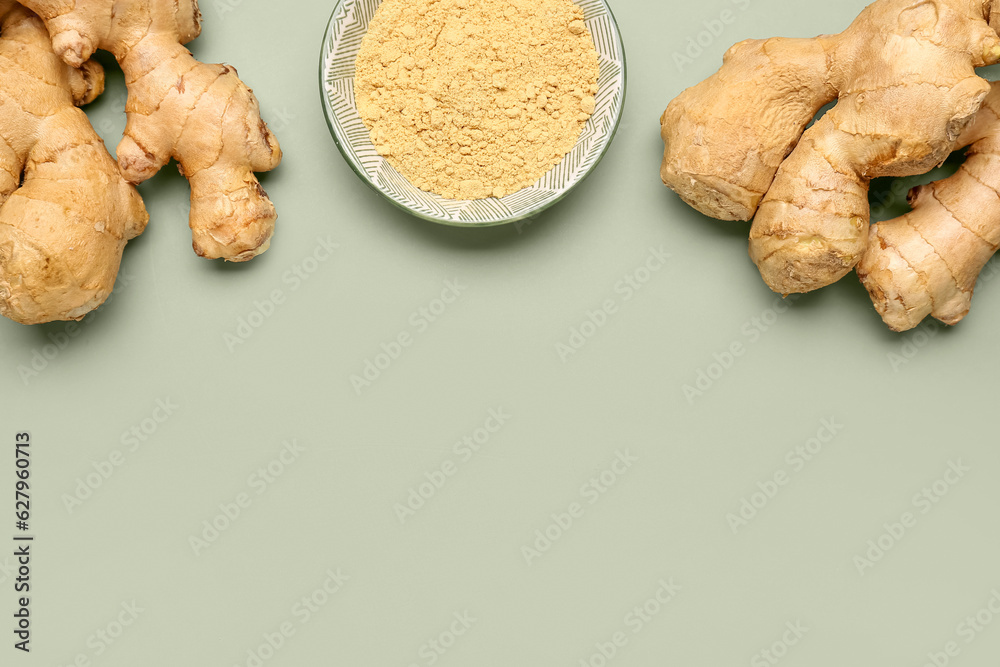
66 213
927 261
726 137
201 115
904 77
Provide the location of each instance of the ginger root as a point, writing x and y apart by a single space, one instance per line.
903 74
66 213
725 138
201 115
927 261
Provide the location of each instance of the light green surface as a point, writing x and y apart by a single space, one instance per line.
522 290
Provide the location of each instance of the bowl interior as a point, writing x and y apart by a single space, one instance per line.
348 26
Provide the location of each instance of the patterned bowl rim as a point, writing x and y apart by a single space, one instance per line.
529 211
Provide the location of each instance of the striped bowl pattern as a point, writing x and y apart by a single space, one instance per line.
340 49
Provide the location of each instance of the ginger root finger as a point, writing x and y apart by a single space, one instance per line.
725 138
66 220
79 27
210 122
199 114
927 261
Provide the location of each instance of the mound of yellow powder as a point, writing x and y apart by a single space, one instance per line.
476 98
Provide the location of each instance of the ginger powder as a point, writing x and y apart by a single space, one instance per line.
476 98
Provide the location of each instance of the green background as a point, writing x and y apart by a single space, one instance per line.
905 408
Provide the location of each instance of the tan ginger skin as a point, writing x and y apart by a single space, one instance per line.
903 74
927 261
201 115
66 213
